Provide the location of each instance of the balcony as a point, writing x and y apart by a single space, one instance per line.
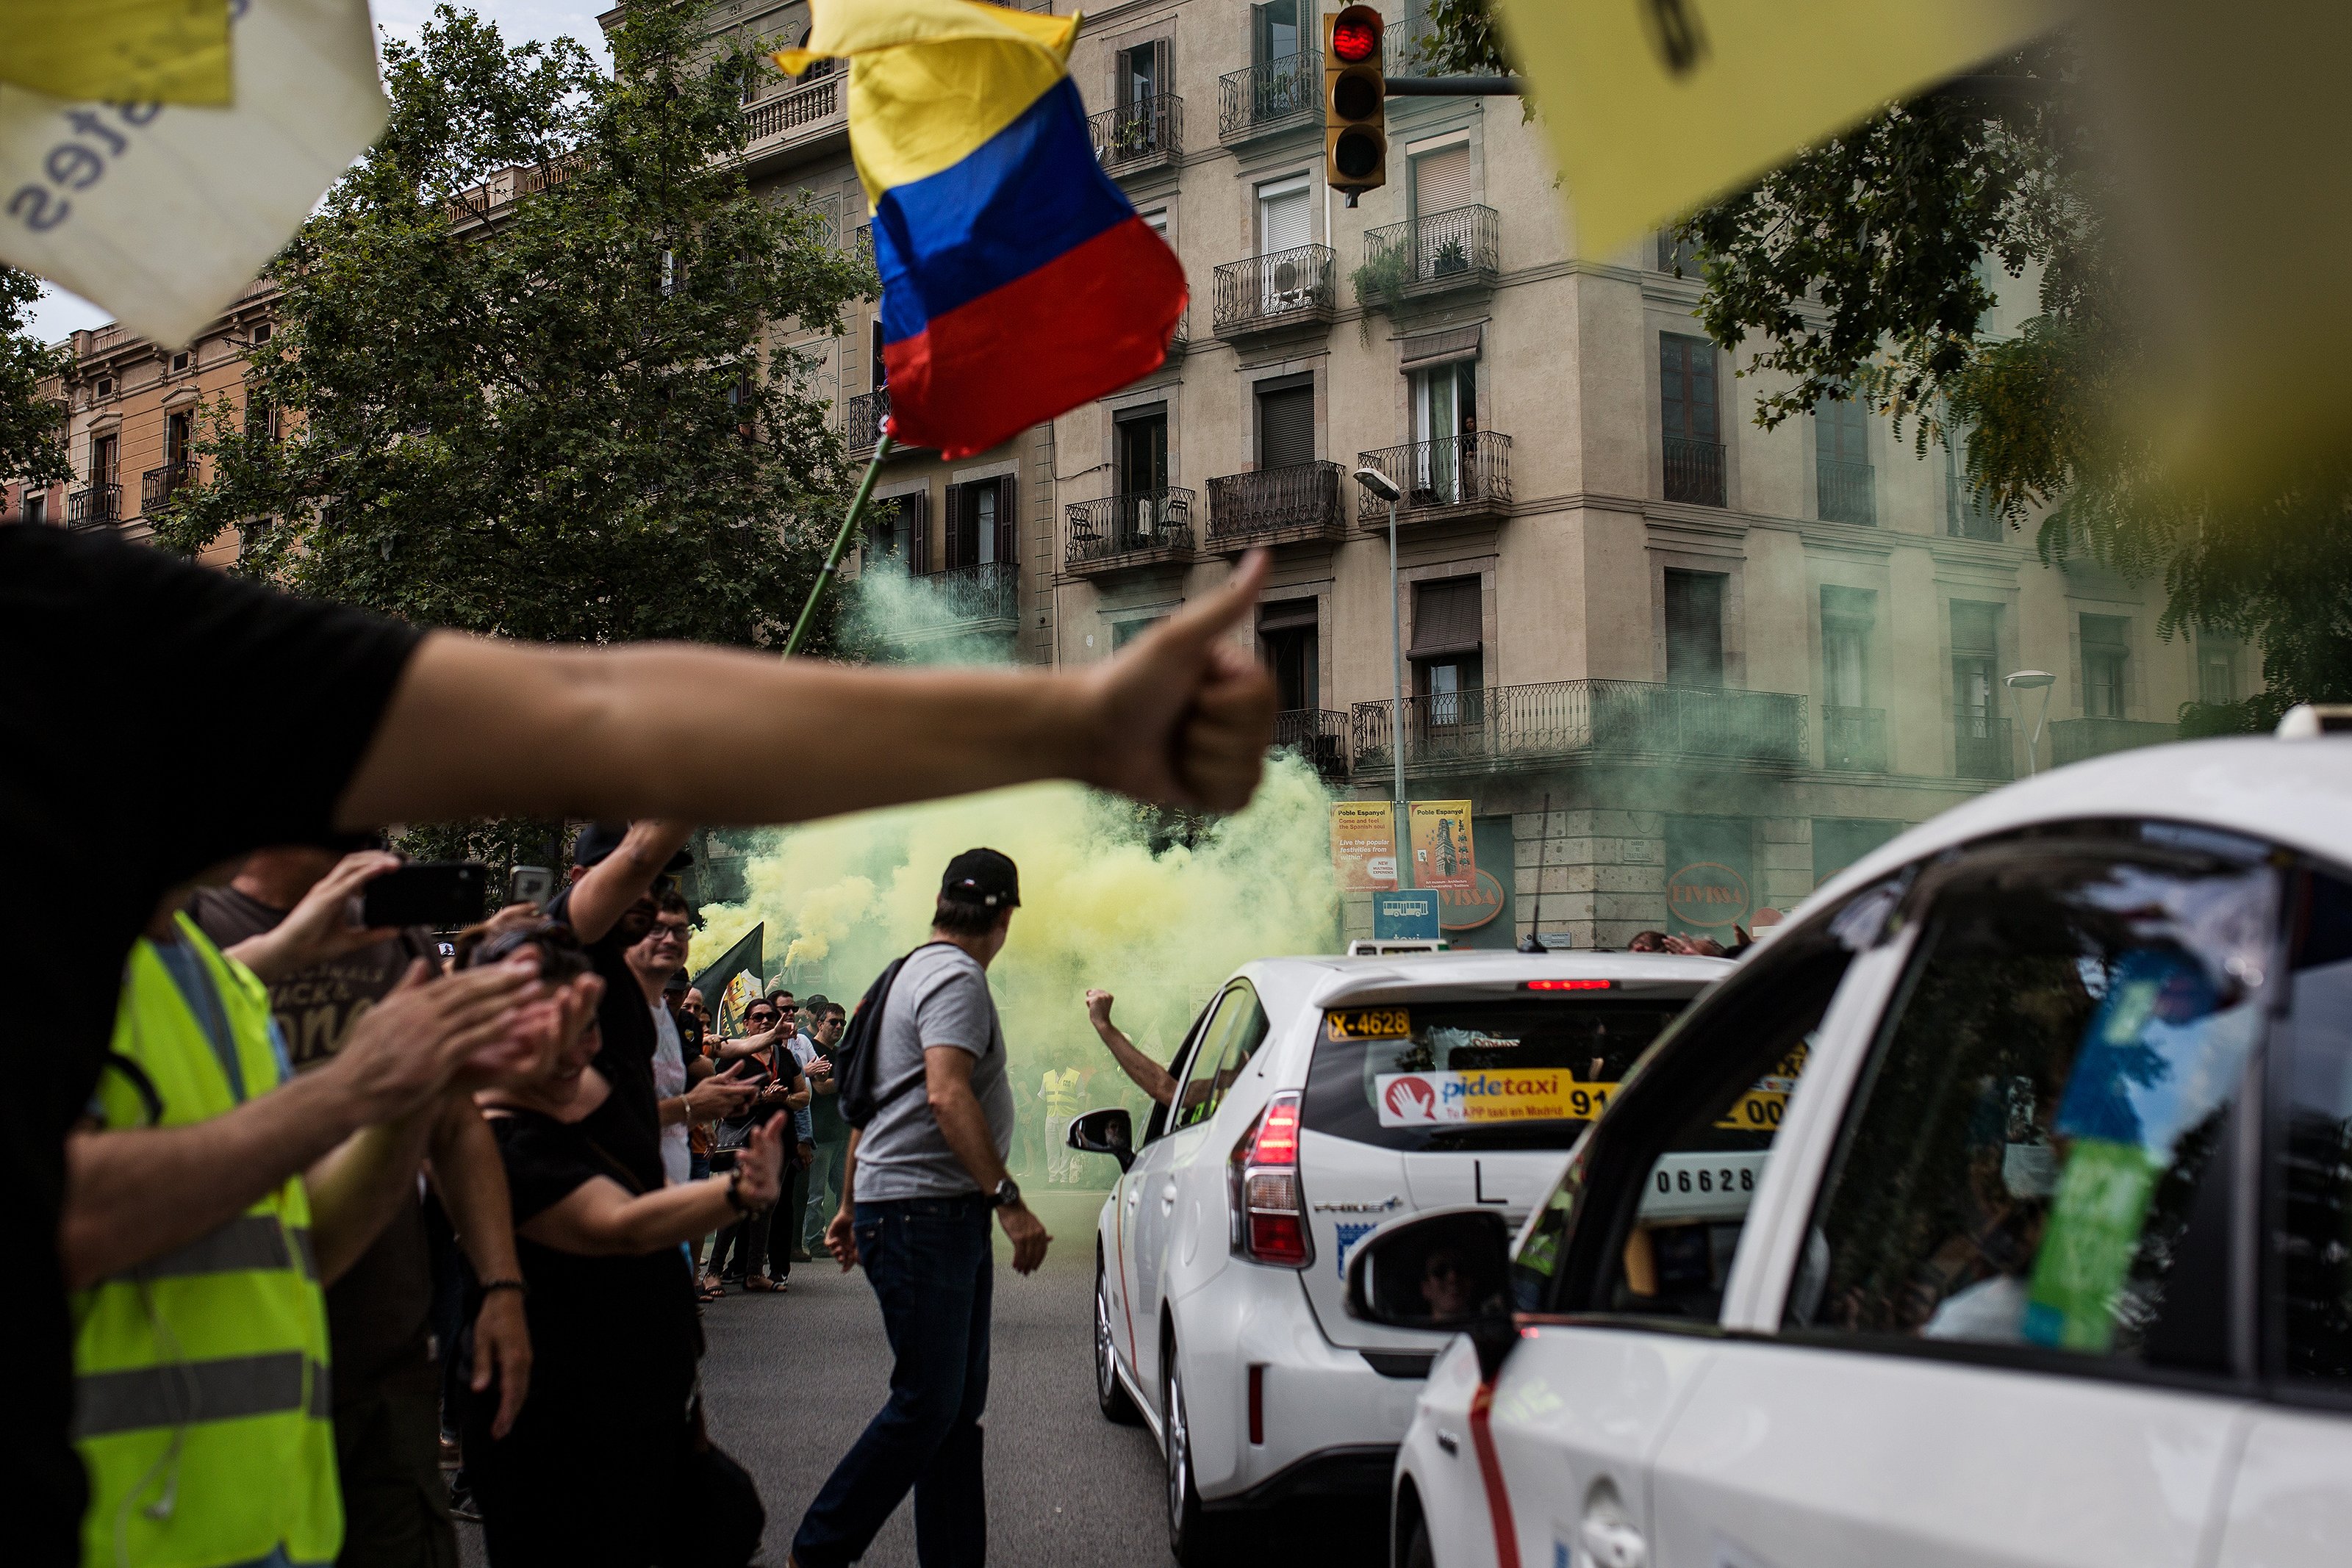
94 507
862 422
1459 477
1981 748
1267 293
1433 254
1140 136
157 484
1276 506
1122 533
1854 739
1317 735
963 598
1848 492
799 113
2079 740
1694 471
1530 726
1275 96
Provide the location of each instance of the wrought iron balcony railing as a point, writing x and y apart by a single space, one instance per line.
1460 476
1276 506
961 597
1981 748
1318 735
1141 136
1138 528
1854 739
1503 726
798 111
1290 288
1271 97
156 486
863 419
94 507
1457 248
1848 492
2077 739
1694 471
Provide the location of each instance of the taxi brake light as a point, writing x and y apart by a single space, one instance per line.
1566 985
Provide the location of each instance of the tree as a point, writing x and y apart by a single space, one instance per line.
559 419
1865 268
32 427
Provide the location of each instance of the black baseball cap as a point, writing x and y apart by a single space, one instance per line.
983 877
597 840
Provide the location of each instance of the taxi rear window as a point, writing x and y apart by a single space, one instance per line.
1508 1074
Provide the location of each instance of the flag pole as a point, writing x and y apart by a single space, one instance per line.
826 573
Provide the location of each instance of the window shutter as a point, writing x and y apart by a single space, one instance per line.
1974 627
918 551
1163 74
1007 519
1446 618
958 505
1443 180
1285 427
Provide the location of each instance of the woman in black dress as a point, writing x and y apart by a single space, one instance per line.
601 1464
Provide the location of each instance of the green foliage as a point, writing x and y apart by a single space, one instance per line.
502 844
563 424
32 427
1381 280
1460 38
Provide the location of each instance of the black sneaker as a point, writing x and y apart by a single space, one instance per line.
462 1505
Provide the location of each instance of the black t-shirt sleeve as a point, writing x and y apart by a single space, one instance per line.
249 708
546 1163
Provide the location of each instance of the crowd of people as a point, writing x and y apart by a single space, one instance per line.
293 1192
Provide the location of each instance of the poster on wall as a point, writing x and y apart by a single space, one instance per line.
1364 846
1483 917
1444 855
1710 875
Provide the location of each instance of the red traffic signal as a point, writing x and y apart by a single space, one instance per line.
1355 34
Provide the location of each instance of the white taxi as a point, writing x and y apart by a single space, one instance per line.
1997 1209
1317 1098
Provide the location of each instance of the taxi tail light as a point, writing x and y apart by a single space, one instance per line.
1268 1211
1566 985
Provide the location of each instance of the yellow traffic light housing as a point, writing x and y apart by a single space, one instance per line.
1355 103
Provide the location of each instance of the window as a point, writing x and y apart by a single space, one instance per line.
877 369
1286 422
1966 516
106 386
1686 391
262 333
1975 633
980 523
2022 1161
1286 219
1122 632
1677 253
1232 1038
1842 475
104 464
1142 71
1442 178
1839 841
2311 1251
35 506
261 419
1141 456
1274 32
890 530
1447 653
179 362
1694 629
1847 616
1156 220
1286 636
2217 669
178 434
2106 644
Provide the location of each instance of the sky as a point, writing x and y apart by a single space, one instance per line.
59 314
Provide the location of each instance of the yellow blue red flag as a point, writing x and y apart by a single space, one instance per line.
1017 281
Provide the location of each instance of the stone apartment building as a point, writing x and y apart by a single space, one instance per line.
1681 667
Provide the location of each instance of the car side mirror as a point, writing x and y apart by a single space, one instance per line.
1110 1132
1449 1271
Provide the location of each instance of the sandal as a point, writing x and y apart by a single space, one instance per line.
758 1282
710 1290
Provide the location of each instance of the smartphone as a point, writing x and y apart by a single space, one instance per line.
531 884
426 893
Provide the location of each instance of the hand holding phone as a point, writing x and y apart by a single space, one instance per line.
439 893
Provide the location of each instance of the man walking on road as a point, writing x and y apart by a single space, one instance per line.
830 1133
923 1176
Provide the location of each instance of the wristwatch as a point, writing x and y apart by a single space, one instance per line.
1006 1195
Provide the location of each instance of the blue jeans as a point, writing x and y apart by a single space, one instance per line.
932 1271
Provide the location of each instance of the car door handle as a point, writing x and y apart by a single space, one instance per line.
1613 1543
1448 1441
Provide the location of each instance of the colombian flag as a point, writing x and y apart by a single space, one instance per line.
1017 281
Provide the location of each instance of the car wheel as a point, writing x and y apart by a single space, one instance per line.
1418 1552
1196 1538
1110 1394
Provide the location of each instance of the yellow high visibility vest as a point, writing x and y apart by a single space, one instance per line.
201 1403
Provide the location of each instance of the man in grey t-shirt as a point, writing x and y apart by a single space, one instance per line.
920 1181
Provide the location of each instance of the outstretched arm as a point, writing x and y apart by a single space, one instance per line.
1150 1076
477 727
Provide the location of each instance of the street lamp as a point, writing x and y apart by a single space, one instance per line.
2029 681
1385 488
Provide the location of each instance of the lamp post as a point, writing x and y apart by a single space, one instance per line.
1385 488
2029 681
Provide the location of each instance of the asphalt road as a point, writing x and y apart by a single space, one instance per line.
792 1379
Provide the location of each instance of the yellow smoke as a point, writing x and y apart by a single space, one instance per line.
1098 907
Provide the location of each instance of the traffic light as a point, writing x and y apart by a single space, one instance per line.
1355 103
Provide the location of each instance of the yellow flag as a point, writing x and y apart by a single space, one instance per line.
161 213
1655 106
127 51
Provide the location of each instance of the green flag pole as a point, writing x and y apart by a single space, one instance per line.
840 542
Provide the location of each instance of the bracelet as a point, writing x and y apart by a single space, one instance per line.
519 1287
